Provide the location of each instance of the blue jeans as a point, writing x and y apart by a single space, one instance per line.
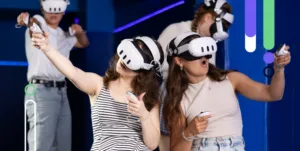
219 144
163 129
53 119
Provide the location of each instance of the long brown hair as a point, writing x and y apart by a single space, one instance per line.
177 84
203 10
145 81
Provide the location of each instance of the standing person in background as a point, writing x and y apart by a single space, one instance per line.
211 19
125 102
53 125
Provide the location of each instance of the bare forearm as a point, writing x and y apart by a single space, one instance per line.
181 143
151 133
62 63
277 85
82 39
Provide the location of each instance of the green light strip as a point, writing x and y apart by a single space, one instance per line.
269 24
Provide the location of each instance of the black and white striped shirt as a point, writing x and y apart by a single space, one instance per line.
112 130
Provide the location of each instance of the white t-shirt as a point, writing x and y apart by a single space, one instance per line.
171 32
38 63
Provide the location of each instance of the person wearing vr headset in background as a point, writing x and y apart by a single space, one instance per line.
212 19
195 86
53 126
120 121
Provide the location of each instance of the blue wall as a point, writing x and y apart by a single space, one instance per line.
154 26
284 116
251 64
268 126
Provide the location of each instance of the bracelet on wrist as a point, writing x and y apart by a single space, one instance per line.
189 139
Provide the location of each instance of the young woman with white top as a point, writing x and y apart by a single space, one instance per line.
203 23
194 85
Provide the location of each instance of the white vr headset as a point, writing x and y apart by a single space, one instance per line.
55 6
135 59
218 32
197 48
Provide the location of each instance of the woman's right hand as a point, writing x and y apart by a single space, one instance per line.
21 17
197 126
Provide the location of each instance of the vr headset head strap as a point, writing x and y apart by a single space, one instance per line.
153 49
181 37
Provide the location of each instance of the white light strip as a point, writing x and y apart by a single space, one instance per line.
25 123
250 43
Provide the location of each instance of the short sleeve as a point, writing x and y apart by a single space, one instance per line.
42 22
167 35
164 39
71 40
67 42
28 43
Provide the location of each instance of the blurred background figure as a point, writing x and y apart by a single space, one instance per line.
52 128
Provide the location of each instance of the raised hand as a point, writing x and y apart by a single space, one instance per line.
283 60
23 19
137 107
40 40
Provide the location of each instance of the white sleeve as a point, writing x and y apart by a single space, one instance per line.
42 21
164 39
27 37
71 40
28 43
167 35
67 42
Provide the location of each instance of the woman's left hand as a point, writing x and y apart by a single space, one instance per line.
137 106
283 60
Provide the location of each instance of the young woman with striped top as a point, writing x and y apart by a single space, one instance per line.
120 122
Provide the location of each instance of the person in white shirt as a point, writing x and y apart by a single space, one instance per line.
53 115
206 22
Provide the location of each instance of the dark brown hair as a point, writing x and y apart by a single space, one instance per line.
145 81
203 10
177 84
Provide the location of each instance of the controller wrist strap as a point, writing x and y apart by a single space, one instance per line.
278 68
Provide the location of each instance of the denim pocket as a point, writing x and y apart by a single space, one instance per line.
220 144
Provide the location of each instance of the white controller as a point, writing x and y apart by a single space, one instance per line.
281 51
132 95
205 113
36 28
26 20
71 31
